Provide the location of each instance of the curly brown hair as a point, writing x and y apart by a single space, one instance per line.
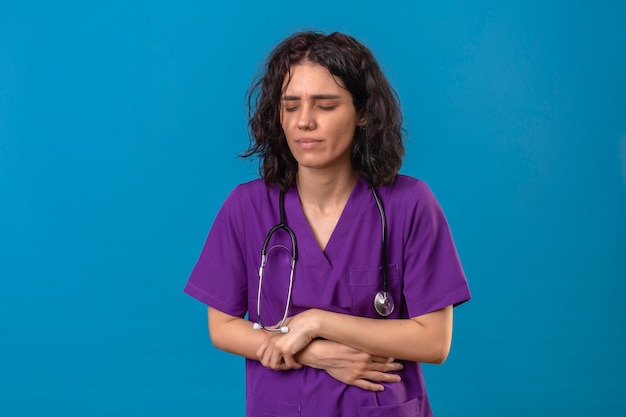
378 148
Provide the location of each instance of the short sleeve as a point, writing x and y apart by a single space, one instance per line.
219 277
434 277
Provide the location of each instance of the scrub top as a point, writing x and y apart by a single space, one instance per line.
424 275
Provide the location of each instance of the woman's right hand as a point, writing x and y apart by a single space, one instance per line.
349 365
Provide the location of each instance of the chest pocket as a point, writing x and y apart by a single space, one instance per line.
365 284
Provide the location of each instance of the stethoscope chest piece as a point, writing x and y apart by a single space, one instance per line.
383 303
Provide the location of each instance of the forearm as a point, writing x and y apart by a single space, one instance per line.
420 339
234 334
349 365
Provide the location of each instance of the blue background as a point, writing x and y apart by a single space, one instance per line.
120 125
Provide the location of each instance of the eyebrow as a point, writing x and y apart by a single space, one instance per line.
314 97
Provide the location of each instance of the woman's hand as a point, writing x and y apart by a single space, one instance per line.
349 365
292 350
278 349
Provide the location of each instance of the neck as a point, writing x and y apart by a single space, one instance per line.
323 189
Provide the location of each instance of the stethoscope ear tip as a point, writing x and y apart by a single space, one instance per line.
257 326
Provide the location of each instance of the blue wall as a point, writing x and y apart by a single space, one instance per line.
120 125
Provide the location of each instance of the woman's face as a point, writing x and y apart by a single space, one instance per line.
318 118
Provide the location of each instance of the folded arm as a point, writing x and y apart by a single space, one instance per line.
344 363
425 338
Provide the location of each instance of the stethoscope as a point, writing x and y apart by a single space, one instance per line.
383 302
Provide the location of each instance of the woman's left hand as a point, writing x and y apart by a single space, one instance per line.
278 349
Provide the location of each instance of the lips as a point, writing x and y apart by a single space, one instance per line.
308 143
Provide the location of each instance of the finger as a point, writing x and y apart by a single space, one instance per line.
284 367
289 361
382 377
368 385
271 357
276 359
260 352
393 366
382 359
265 358
265 361
386 367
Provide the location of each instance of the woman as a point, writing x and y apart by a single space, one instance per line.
326 126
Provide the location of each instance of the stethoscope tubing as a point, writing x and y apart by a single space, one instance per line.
294 257
280 327
383 239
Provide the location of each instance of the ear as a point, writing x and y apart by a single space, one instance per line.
361 121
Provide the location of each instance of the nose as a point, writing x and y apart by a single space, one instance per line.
306 121
306 126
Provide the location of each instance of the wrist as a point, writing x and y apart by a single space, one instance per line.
311 355
316 321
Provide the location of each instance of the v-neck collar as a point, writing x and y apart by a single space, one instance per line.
321 261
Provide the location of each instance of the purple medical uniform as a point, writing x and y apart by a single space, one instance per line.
424 275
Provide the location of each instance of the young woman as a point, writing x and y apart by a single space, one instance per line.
346 270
